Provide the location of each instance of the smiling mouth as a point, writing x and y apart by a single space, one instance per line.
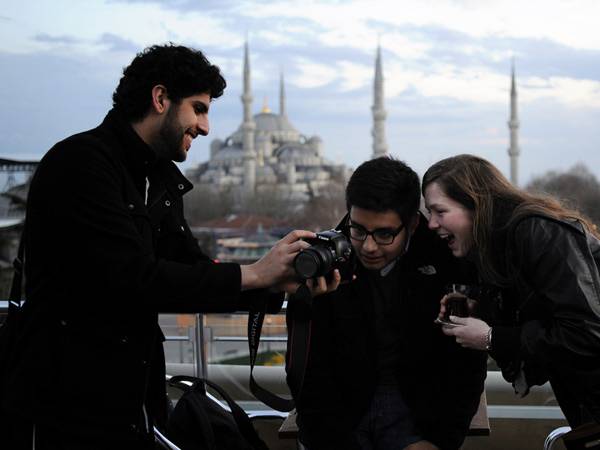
449 238
371 258
192 136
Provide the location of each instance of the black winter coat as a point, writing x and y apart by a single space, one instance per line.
546 325
441 381
100 266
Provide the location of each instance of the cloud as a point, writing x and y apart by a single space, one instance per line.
446 66
63 39
186 5
310 74
571 92
89 21
116 43
354 76
572 24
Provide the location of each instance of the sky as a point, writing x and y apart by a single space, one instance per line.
446 66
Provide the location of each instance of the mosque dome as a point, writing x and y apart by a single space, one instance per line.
228 153
272 123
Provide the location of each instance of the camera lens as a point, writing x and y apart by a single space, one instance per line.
313 262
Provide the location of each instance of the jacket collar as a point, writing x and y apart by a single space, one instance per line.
169 177
137 154
141 159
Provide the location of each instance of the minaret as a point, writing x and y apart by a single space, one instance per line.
513 125
378 132
248 127
282 111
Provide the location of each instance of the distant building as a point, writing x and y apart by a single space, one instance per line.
267 154
245 249
13 203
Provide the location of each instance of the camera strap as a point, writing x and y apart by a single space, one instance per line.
298 349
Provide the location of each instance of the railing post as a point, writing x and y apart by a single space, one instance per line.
200 369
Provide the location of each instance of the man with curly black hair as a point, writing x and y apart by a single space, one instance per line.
107 249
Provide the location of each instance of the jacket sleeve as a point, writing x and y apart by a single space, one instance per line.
318 399
80 190
462 374
251 300
452 376
558 268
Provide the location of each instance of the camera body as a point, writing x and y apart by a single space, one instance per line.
329 250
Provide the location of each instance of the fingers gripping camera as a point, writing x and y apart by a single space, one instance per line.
329 250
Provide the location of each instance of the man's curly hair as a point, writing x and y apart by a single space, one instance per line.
182 70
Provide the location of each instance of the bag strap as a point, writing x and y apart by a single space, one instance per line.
298 350
239 415
16 288
178 382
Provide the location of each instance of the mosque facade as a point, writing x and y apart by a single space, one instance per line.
268 154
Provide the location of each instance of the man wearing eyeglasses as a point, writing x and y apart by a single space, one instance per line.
380 374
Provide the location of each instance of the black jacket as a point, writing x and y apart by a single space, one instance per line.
547 324
441 382
100 266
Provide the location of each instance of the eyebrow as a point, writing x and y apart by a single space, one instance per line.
433 205
352 222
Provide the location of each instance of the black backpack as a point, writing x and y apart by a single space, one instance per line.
199 423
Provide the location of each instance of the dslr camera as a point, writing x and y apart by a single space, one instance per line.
329 250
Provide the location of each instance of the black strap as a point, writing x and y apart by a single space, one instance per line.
16 288
298 350
239 415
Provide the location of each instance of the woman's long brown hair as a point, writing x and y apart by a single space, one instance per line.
495 204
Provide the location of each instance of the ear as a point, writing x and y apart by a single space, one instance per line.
160 99
414 224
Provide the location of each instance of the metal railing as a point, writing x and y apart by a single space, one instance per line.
554 436
501 401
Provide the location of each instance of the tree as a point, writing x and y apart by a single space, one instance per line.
323 211
319 212
204 203
577 188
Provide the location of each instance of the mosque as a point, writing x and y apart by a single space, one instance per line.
267 154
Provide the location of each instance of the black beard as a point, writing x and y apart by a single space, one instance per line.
170 141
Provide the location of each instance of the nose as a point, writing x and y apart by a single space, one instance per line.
203 125
369 245
433 223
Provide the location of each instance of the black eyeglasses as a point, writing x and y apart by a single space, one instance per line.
381 236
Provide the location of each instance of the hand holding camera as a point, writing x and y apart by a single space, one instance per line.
275 268
325 262
329 250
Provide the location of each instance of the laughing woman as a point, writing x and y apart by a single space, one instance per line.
542 260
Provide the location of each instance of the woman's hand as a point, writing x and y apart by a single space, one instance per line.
469 332
471 305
